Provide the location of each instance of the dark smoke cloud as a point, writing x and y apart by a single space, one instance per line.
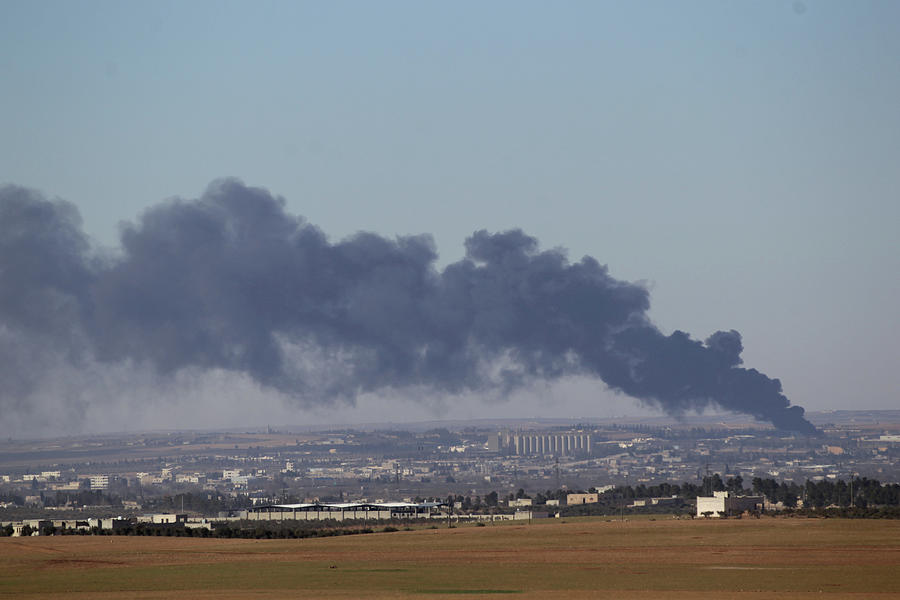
231 281
45 283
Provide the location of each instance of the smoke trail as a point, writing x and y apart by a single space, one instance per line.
231 281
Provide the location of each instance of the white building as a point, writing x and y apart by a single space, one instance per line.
722 504
99 482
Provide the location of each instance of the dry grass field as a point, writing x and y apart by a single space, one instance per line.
589 558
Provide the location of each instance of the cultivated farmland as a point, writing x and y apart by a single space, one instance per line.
589 558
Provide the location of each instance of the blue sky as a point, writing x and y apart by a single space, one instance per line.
739 157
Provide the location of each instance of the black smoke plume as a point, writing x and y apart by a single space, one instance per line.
231 281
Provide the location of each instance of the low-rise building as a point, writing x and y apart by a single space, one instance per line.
162 518
582 499
112 523
722 504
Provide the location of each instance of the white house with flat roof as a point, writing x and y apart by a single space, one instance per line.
722 504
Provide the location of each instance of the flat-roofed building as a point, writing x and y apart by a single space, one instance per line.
562 444
316 511
582 499
723 504
99 482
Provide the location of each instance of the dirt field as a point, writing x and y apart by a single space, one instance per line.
750 558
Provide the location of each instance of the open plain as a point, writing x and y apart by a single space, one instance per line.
577 558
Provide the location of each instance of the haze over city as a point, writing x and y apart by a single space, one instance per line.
733 166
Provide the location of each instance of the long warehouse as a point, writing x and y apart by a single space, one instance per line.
316 511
